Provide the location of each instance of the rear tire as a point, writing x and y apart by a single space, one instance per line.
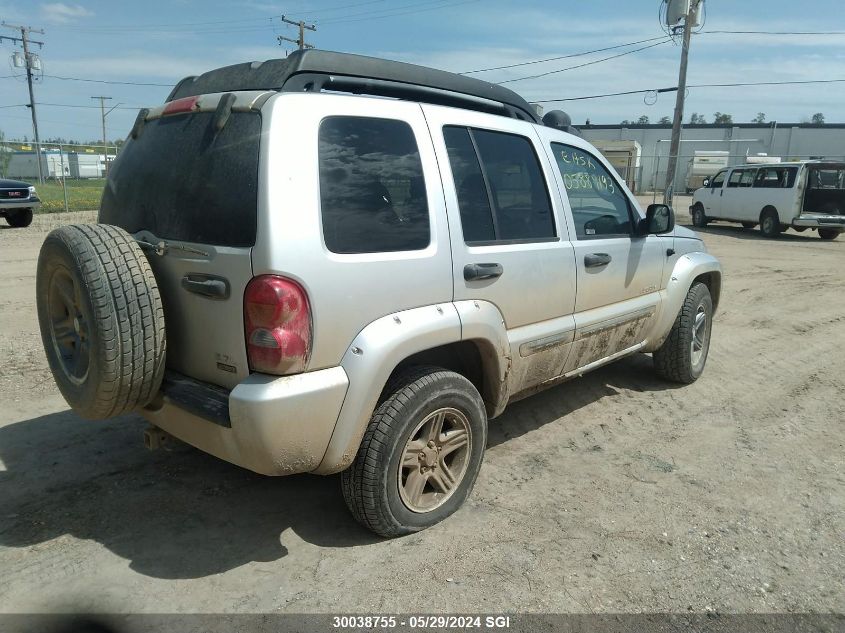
411 470
829 234
699 218
101 319
770 223
683 354
19 218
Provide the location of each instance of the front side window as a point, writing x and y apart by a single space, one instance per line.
372 191
718 180
599 207
733 181
501 192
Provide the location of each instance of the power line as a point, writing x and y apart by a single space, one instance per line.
69 105
105 81
723 85
181 25
344 19
596 61
552 59
777 32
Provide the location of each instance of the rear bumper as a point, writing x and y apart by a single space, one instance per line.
278 425
28 203
820 220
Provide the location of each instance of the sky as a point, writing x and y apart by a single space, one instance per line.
161 41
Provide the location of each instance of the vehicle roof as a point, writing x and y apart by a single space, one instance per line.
794 163
315 70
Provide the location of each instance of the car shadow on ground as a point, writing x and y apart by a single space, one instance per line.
632 373
741 233
184 514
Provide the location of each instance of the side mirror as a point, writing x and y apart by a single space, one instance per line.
659 219
705 182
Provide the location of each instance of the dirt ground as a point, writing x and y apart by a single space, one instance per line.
616 492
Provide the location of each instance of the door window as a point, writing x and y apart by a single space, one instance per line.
733 181
747 178
501 192
372 191
718 180
599 207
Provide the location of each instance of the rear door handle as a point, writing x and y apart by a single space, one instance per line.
477 272
210 286
596 260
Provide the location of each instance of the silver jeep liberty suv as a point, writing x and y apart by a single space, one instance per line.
333 263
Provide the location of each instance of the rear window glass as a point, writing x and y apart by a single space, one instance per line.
372 191
182 181
826 179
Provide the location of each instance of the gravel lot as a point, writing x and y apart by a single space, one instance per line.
612 493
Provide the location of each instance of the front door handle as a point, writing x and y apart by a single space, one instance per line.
596 260
477 272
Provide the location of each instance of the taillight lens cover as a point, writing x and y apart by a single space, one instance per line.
277 320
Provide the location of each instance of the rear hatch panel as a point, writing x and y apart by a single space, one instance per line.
187 189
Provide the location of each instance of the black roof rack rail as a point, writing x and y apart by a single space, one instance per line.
316 70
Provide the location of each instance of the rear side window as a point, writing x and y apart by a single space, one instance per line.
775 177
182 180
501 191
599 207
372 191
747 178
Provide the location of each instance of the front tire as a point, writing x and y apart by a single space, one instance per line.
683 354
19 218
829 234
420 455
699 218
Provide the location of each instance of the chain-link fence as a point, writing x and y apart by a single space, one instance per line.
73 175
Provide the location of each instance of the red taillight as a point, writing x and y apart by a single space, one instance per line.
277 319
186 104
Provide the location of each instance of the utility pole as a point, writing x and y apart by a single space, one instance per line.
300 41
103 115
29 62
679 104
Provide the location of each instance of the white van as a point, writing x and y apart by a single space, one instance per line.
802 195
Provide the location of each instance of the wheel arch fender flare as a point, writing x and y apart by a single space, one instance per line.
689 268
370 360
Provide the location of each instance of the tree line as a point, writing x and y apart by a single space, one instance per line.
719 118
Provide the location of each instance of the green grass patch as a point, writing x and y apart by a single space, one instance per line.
82 195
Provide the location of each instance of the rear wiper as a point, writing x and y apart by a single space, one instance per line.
161 247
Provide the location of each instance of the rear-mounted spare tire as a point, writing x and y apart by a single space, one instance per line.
101 319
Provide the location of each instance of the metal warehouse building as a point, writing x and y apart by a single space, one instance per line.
641 152
22 165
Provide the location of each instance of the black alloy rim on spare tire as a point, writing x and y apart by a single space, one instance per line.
68 325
